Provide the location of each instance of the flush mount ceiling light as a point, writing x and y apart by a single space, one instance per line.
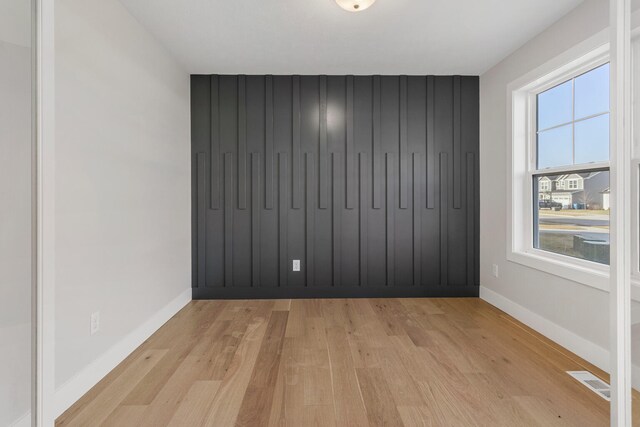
355 5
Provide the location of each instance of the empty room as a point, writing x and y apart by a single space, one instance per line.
319 213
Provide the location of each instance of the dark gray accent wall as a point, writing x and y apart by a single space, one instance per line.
371 181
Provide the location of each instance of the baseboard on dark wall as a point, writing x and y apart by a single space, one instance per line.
332 292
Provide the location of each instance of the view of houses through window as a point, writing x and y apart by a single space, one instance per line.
572 213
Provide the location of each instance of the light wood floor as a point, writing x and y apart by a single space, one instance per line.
355 362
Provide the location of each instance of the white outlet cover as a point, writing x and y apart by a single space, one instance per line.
296 265
95 322
495 270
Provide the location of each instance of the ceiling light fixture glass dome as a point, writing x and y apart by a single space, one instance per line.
355 5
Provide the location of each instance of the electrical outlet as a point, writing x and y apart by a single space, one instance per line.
95 322
296 265
495 270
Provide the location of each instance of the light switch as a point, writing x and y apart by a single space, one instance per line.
296 265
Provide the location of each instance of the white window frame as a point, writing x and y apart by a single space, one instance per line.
521 137
584 56
635 160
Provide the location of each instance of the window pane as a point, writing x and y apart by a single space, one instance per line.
555 147
572 217
592 140
555 106
592 92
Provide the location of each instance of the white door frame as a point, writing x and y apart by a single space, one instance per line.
620 279
44 218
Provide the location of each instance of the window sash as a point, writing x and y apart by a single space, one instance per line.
532 115
533 244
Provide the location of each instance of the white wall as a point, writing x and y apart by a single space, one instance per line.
15 211
572 313
122 217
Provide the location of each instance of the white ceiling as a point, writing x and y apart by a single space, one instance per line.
318 37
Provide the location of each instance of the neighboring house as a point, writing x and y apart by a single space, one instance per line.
576 191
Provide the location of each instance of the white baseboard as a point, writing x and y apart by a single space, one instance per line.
587 350
72 390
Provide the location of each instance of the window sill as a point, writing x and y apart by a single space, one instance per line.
594 276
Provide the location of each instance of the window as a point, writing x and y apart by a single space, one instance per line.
572 164
545 185
558 129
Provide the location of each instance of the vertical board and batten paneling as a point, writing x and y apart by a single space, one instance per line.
295 143
242 143
372 182
268 143
214 148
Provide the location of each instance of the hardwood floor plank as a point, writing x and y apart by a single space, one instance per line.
227 402
381 410
222 350
192 320
312 307
416 416
125 416
318 389
296 319
193 367
318 415
201 363
167 402
282 305
287 408
548 416
392 320
193 409
497 402
256 405
400 383
96 411
149 387
447 406
314 336
363 353
347 397
413 359
335 313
